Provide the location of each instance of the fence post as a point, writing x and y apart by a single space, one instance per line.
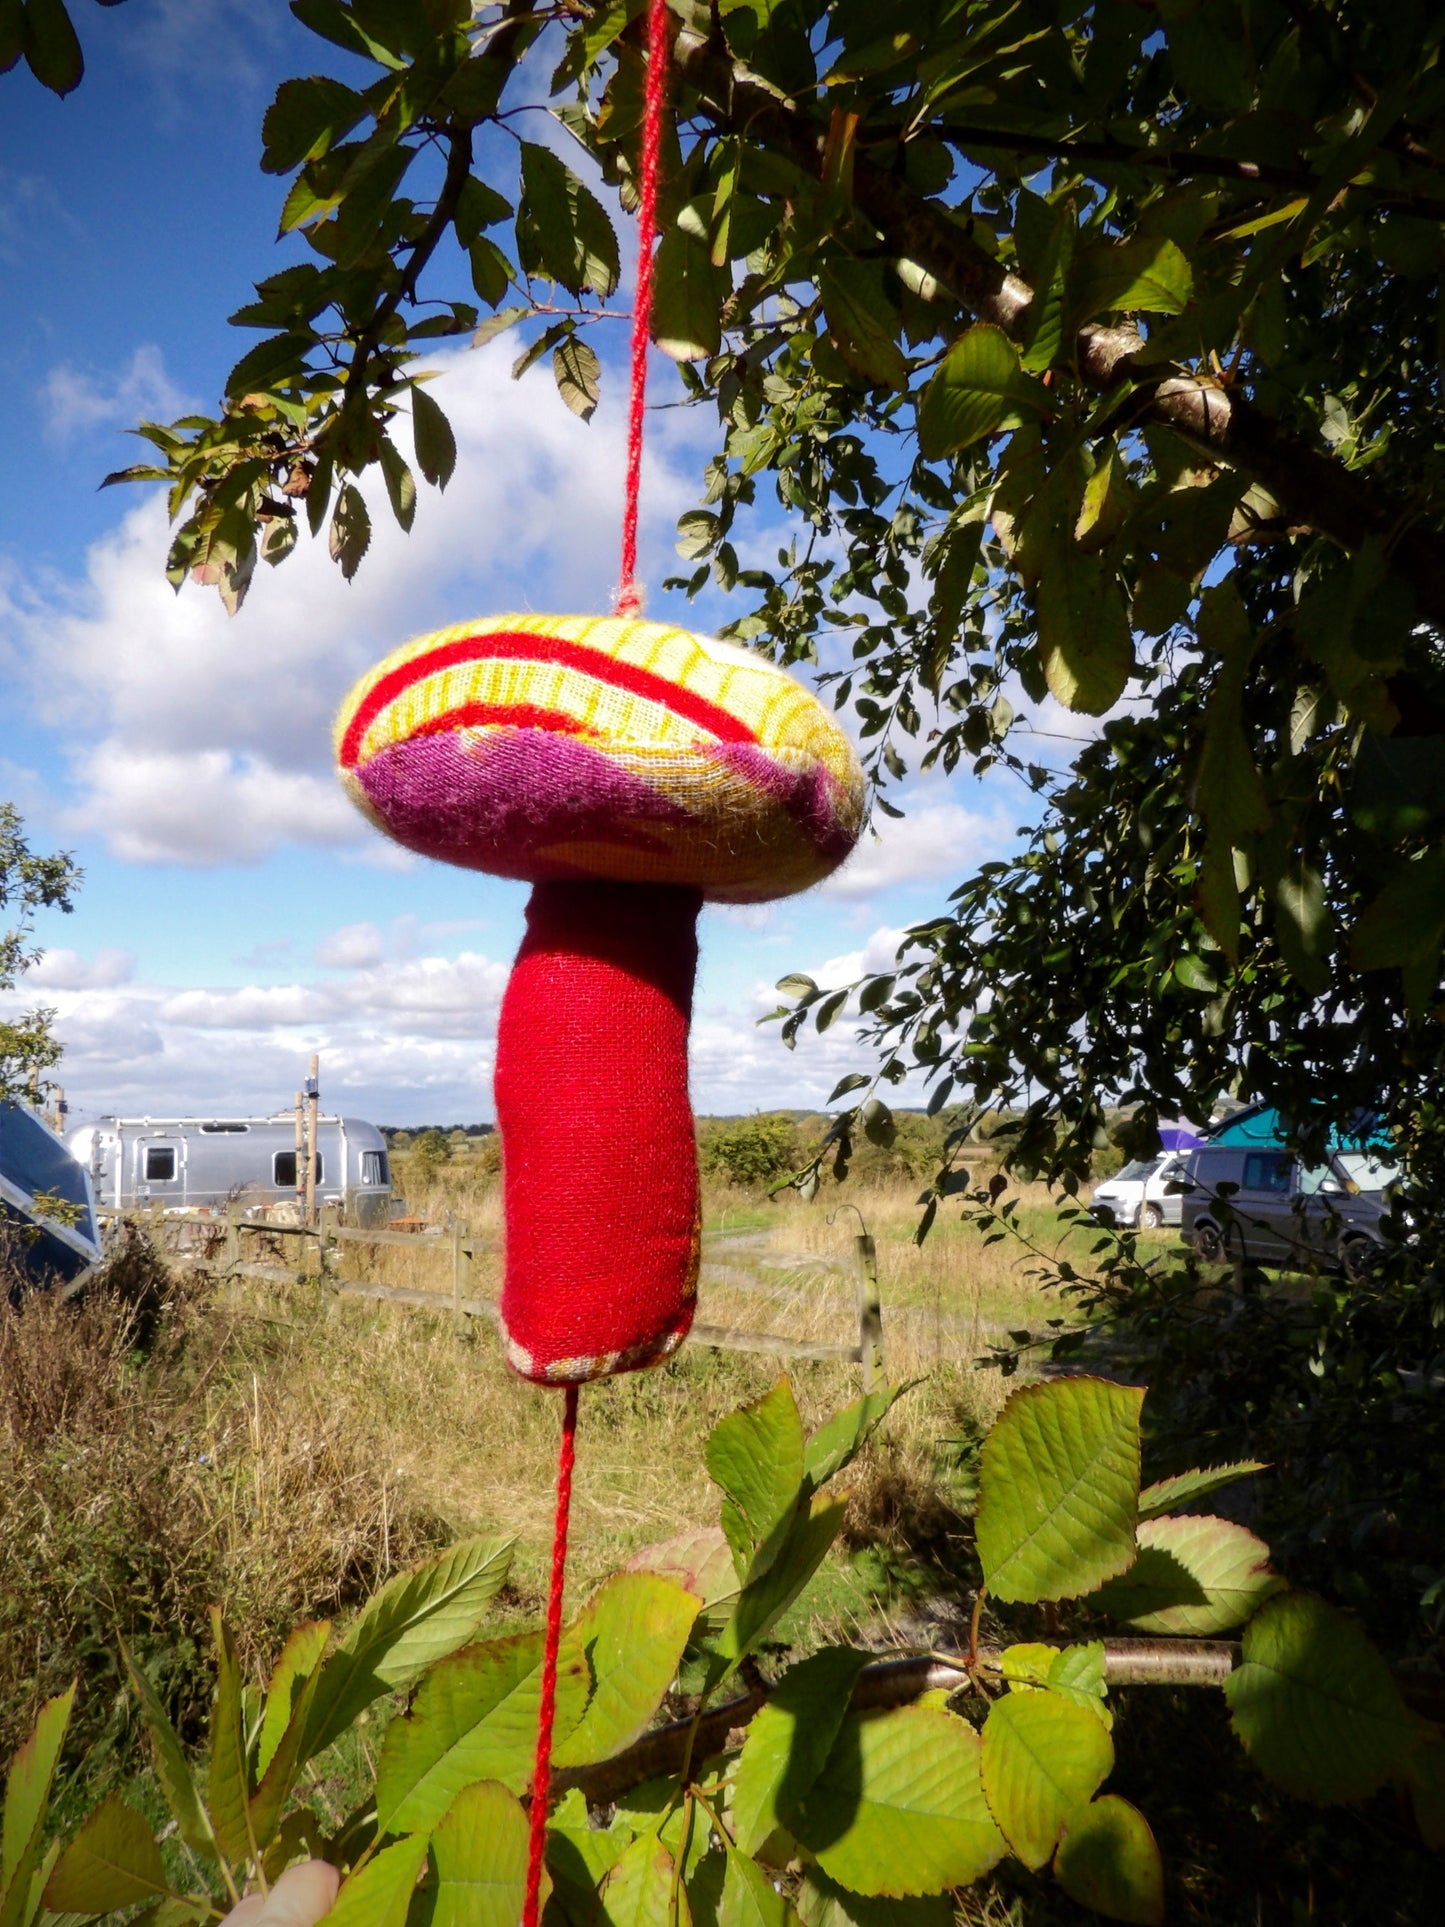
870 1312
458 1270
327 1242
233 1234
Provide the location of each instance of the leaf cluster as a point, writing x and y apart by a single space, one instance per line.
838 1797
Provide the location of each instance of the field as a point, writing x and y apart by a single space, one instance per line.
282 1448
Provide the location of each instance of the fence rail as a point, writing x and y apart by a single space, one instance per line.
461 1248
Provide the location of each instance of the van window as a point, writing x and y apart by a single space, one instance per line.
283 1169
213 1129
373 1168
1267 1171
160 1163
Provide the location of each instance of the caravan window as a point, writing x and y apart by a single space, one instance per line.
160 1163
283 1169
373 1168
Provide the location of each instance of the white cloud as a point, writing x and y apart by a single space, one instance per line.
197 737
933 840
352 948
204 806
78 401
68 970
877 954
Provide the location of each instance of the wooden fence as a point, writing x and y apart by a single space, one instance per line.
318 1248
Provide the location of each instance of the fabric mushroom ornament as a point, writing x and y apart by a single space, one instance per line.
629 771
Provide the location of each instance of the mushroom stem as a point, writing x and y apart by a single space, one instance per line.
600 1158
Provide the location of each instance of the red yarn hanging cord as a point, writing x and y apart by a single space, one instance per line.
542 1770
629 602
629 596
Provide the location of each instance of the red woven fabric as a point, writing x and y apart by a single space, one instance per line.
598 1151
629 596
547 1702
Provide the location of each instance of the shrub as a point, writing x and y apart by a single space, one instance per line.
749 1151
140 1484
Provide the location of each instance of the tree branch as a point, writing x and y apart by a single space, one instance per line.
1313 489
897 1682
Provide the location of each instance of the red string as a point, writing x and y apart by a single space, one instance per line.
629 596
546 1712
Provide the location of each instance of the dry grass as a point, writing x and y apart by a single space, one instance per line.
281 1449
140 1484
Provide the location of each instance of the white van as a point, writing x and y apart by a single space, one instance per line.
199 1164
1140 1195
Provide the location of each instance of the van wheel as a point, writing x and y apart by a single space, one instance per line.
1209 1245
1150 1217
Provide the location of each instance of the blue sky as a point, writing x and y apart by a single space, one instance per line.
236 914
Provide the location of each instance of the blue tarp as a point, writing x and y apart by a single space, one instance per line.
1261 1124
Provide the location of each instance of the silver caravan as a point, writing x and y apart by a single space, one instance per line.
204 1163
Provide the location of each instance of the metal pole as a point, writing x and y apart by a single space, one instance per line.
300 1158
313 1109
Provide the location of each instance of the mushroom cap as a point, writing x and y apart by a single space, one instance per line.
550 748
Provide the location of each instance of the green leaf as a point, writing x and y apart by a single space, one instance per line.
380 1893
480 1850
839 1440
1167 1495
633 1632
1043 1757
228 1789
1147 275
565 233
305 118
479 206
769 1593
822 1903
432 437
1078 1673
687 298
789 1740
27 1796
279 356
1058 1489
899 1807
700 1561
400 482
279 1776
498 324
300 1657
52 51
1108 1860
797 985
756 1456
1107 501
1194 1576
1085 645
862 323
171 1766
749 1898
337 24
112 1862
1406 922
1315 1704
416 1619
979 390
350 536
578 373
639 1890
474 1717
